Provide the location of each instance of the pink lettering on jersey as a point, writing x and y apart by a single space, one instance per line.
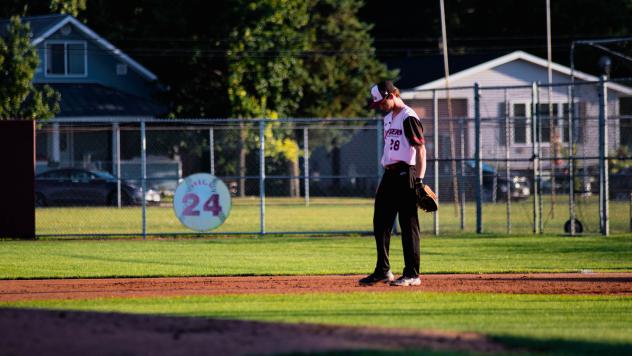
394 132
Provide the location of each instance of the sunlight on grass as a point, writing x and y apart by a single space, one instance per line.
325 214
305 255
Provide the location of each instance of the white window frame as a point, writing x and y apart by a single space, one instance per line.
66 43
562 119
527 117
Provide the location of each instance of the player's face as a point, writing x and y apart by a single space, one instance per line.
387 104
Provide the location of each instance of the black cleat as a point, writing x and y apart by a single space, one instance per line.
377 278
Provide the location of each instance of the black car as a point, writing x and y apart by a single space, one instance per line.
496 187
517 188
620 184
80 187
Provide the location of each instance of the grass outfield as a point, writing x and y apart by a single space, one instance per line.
569 324
306 256
325 214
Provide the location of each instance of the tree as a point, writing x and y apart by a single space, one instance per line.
20 99
71 7
183 46
341 65
341 62
266 72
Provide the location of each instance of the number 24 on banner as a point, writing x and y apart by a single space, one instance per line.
202 202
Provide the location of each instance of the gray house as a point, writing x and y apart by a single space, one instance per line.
506 105
511 106
98 83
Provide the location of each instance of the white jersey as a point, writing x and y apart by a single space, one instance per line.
396 145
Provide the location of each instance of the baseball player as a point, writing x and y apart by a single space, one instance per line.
404 162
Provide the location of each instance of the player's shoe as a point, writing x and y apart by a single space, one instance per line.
377 278
406 281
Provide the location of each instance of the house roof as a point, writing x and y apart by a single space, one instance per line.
39 24
424 69
513 56
44 26
83 100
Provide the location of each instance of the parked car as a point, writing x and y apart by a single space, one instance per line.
620 184
517 187
496 187
583 184
80 187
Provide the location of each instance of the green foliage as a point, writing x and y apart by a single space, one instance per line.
266 71
341 62
307 59
71 7
20 99
266 74
620 160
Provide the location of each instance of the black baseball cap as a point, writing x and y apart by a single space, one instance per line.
380 91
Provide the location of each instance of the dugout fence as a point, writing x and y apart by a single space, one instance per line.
503 160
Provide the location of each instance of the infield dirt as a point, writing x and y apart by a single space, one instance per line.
554 283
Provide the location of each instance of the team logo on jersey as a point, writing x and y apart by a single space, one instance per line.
394 132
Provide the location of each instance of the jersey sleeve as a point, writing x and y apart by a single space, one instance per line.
414 131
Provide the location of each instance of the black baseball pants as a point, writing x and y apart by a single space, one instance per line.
396 194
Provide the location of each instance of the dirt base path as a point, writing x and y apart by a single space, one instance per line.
562 283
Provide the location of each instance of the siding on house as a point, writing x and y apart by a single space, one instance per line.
492 104
101 67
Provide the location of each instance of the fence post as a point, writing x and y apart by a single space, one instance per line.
603 153
262 177
536 160
306 163
461 178
571 161
143 164
211 149
116 165
507 162
538 119
630 213
477 155
435 154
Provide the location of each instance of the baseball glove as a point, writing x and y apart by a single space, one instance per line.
426 198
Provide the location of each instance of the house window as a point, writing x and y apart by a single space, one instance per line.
625 121
558 118
121 69
520 127
66 58
520 116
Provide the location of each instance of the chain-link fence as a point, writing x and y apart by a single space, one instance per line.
507 160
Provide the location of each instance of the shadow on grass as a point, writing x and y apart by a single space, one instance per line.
565 347
394 353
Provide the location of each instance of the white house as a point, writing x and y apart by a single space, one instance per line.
506 98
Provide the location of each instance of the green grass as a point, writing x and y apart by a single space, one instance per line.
325 214
574 324
281 215
304 255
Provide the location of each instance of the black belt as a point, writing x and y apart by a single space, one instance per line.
399 166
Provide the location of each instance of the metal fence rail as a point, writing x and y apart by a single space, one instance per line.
508 160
